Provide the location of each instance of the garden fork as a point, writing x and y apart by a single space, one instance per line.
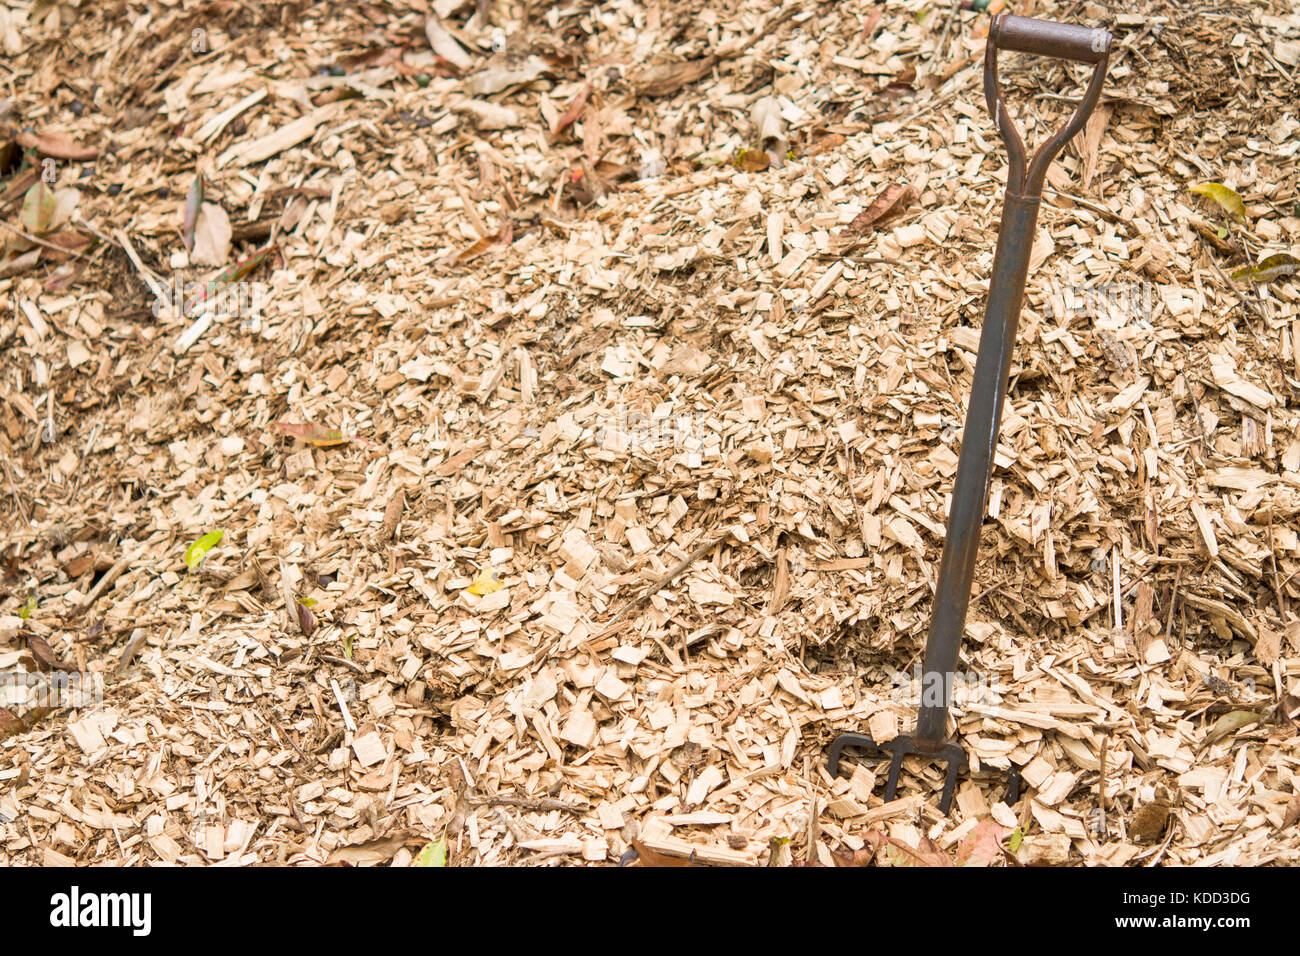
984 412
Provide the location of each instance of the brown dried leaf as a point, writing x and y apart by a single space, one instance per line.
45 655
501 237
892 852
1229 723
306 620
862 857
573 112
648 857
379 850
56 146
1289 818
752 160
891 203
1148 823
24 723
668 78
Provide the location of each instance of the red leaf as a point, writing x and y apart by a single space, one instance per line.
982 845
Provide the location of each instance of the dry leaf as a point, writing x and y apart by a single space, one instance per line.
1227 198
648 857
1229 723
212 235
45 655
38 209
891 203
862 857
445 45
1276 266
573 112
1148 823
378 850
982 845
488 116
56 146
1288 819
668 78
752 160
497 77
306 620
1090 144
501 237
892 852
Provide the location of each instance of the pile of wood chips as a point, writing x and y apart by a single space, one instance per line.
582 447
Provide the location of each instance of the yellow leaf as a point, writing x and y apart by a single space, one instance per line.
1226 198
1274 267
487 581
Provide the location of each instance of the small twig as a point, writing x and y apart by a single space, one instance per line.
159 291
1245 300
129 651
537 804
104 583
41 242
343 661
1277 588
1101 781
665 579
953 13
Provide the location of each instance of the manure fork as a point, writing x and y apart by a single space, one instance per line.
984 412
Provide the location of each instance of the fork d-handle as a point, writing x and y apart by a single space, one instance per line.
997 343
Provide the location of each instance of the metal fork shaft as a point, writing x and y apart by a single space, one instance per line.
975 465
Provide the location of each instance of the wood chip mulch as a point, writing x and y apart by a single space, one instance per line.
583 437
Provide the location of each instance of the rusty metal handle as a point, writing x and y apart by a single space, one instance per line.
1042 37
1065 41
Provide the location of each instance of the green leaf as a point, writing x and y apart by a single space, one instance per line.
1229 723
1274 267
347 647
1227 198
308 602
196 552
26 610
193 200
1017 837
434 854
38 208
